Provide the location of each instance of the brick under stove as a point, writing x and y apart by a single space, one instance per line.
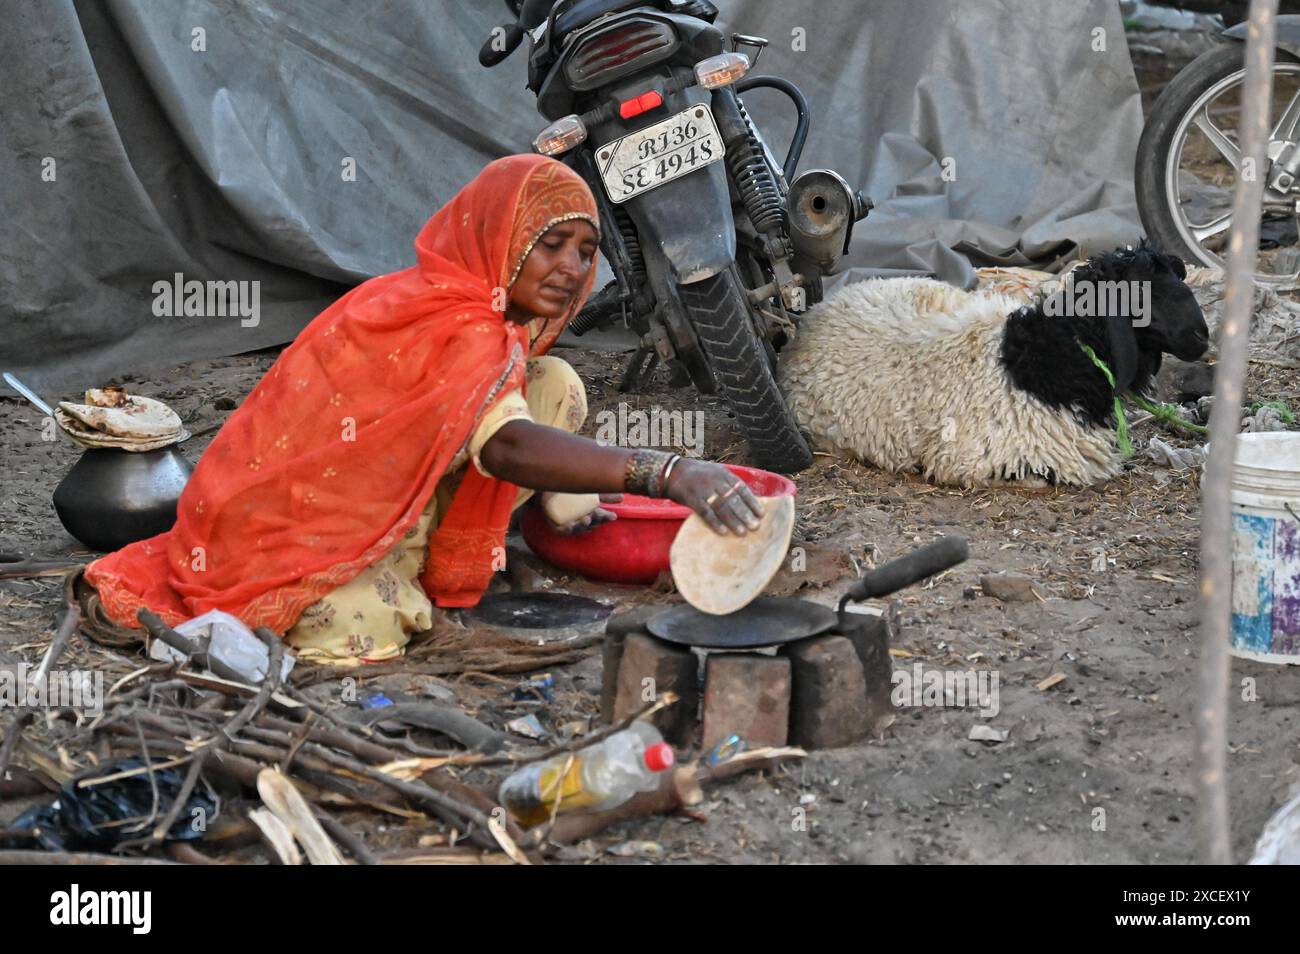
821 692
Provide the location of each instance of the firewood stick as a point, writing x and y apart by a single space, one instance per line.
254 725
60 642
23 857
324 762
285 801
544 658
1213 829
357 745
21 720
754 760
16 728
443 856
346 837
406 746
135 675
229 830
486 804
148 690
240 766
223 739
153 778
186 854
418 791
367 794
275 657
242 770
373 794
452 811
678 789
277 835
275 651
13 567
23 783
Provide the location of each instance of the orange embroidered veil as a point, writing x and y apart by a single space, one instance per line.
337 450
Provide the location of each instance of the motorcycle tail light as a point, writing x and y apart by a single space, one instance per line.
640 104
622 49
721 70
560 136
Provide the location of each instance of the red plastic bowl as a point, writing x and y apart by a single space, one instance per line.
634 548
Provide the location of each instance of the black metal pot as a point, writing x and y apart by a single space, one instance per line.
114 497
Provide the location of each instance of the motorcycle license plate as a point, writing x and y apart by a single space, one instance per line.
660 153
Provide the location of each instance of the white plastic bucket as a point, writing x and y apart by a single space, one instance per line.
1266 548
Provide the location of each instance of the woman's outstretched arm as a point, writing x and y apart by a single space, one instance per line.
548 458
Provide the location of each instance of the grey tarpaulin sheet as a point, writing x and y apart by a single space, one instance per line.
228 163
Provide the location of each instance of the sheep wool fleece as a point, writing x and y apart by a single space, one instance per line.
906 373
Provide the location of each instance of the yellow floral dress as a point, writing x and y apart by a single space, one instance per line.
371 617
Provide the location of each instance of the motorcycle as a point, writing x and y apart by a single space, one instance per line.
716 248
1188 157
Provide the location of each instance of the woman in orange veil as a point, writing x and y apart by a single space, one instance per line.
366 421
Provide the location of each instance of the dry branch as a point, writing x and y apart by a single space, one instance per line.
1213 833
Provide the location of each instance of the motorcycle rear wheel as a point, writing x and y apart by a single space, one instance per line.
1194 100
720 313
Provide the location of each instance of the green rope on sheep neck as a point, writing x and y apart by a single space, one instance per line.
1164 413
1121 422
1167 414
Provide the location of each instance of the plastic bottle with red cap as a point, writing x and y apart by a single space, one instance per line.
596 778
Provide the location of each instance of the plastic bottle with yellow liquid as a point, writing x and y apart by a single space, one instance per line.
598 777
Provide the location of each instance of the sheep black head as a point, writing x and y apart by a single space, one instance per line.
1142 301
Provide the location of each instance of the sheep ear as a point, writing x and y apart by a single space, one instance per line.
1123 351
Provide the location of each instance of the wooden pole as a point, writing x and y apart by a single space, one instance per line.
1214 842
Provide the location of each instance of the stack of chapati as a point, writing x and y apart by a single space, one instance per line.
112 418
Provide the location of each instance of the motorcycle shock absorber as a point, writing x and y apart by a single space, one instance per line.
600 308
632 246
748 165
622 248
608 302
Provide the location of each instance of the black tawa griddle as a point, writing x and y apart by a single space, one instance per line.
771 620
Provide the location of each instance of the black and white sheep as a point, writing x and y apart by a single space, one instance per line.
975 387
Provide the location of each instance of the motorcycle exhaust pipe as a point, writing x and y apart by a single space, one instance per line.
822 208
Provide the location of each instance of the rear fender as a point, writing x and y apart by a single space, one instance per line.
1288 33
688 219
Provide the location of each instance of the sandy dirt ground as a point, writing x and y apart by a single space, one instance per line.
1115 567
